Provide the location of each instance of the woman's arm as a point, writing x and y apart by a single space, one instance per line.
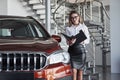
87 35
69 42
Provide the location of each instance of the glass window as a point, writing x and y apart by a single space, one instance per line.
21 28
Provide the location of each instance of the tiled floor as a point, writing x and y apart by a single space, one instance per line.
107 75
104 75
115 76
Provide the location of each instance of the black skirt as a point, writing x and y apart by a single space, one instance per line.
77 56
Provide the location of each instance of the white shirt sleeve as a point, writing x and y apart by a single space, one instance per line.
87 35
73 31
67 31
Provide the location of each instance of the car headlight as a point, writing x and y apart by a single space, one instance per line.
59 56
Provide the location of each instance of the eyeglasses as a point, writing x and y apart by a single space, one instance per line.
75 17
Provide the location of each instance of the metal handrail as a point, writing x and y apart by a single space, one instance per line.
54 13
103 8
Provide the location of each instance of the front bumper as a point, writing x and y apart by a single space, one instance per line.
58 71
54 72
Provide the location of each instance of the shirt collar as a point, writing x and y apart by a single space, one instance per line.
76 26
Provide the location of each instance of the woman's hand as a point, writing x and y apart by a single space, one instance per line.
71 42
82 42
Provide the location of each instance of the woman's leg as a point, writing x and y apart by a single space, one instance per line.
80 75
74 74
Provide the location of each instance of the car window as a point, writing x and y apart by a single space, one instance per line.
21 28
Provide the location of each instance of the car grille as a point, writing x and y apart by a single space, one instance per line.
16 61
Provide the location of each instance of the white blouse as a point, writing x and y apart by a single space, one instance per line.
73 30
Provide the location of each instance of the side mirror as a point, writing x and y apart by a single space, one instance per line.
56 37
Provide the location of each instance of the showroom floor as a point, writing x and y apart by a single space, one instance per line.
107 75
102 75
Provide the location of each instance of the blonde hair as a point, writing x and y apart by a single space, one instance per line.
80 18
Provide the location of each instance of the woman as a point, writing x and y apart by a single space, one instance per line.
76 50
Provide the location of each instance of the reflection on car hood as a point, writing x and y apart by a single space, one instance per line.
48 46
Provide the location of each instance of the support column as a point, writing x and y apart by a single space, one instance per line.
48 15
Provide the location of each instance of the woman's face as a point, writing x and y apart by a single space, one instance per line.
75 19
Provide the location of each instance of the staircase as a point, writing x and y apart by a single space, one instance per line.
38 9
97 20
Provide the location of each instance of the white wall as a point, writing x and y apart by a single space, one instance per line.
15 7
115 35
3 7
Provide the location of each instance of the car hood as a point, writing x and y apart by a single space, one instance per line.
48 45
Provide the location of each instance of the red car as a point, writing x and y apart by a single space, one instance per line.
28 52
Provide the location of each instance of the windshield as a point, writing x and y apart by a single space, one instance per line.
21 28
